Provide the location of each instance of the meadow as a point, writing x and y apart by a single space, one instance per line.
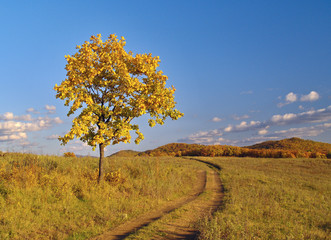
49 197
272 199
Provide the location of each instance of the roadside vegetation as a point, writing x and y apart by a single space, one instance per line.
49 197
272 199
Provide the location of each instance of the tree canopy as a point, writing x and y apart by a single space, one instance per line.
112 87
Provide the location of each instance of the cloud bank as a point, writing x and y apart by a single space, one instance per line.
311 97
292 97
50 109
216 119
13 127
261 130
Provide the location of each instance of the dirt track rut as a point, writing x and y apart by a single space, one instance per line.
183 226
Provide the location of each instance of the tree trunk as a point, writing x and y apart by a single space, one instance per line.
102 154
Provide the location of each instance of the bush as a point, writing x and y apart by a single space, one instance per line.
69 154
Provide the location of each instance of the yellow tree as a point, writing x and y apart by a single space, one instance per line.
112 87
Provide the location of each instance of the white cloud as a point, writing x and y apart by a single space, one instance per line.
291 97
12 126
15 127
50 108
216 119
15 136
243 126
228 128
283 118
204 137
320 115
10 116
262 129
312 96
20 135
304 131
312 116
57 120
263 132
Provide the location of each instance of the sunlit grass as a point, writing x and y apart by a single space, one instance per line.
272 199
48 197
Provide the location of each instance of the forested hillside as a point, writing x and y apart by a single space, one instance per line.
294 144
287 148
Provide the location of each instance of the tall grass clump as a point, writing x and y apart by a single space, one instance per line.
272 199
49 197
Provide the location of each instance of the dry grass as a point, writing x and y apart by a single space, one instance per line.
47 197
272 199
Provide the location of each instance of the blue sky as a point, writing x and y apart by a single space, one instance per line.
245 71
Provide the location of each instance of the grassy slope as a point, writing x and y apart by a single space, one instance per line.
272 199
125 153
43 197
294 144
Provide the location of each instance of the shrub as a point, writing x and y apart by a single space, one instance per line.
69 154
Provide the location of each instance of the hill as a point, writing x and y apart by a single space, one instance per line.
286 148
175 149
125 153
296 144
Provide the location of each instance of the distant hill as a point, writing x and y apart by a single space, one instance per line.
296 144
173 149
286 148
125 153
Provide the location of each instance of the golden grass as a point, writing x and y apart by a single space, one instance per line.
48 197
272 199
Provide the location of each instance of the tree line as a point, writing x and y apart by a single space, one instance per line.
182 149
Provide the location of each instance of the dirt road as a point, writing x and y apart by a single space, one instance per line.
205 198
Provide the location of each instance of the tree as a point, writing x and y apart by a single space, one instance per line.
69 154
112 87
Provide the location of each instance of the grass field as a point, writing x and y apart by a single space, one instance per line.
47 197
272 199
